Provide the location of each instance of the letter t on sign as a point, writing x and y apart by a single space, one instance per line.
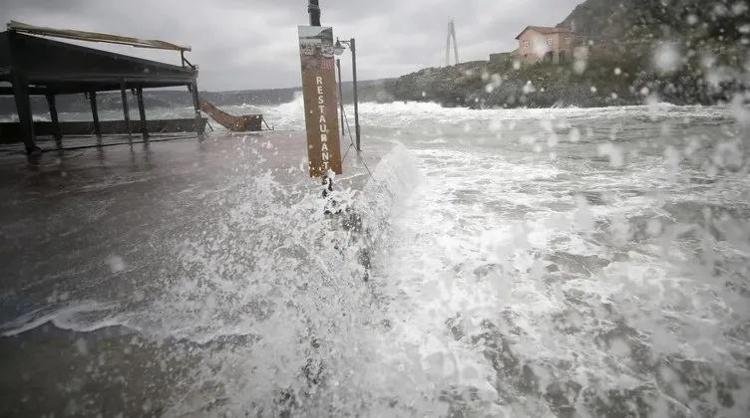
321 100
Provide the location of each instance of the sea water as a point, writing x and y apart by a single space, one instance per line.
530 262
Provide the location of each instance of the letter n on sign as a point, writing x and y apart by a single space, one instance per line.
321 99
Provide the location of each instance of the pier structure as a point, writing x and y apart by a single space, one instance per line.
33 64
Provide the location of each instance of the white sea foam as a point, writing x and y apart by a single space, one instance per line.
515 272
82 316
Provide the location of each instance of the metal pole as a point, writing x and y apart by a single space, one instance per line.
126 110
356 97
341 98
21 96
313 8
25 117
55 120
199 129
448 47
452 35
455 41
142 112
95 114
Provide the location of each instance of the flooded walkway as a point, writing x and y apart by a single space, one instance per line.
91 236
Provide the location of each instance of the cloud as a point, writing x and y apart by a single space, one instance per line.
253 43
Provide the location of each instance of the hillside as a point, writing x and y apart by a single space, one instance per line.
642 19
681 51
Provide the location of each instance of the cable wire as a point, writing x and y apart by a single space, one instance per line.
359 157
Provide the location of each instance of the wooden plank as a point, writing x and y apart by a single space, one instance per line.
95 37
244 123
321 100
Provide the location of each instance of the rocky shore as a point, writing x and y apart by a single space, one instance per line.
603 80
639 52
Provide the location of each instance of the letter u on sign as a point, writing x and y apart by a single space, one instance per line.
321 100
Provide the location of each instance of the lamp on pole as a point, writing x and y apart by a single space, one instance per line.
338 50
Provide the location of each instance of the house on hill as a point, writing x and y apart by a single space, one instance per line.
541 43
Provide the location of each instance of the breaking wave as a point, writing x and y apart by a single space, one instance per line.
276 286
564 262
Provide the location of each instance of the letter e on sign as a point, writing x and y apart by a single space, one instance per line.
320 94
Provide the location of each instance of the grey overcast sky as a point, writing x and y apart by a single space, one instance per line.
242 44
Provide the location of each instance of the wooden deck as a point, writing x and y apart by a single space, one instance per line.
39 66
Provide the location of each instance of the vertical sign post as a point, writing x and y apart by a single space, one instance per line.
321 100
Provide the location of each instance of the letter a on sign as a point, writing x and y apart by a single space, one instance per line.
321 100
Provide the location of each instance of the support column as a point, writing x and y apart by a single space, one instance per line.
95 115
126 110
142 112
57 132
25 117
193 88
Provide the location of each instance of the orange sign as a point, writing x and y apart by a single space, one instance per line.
321 100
